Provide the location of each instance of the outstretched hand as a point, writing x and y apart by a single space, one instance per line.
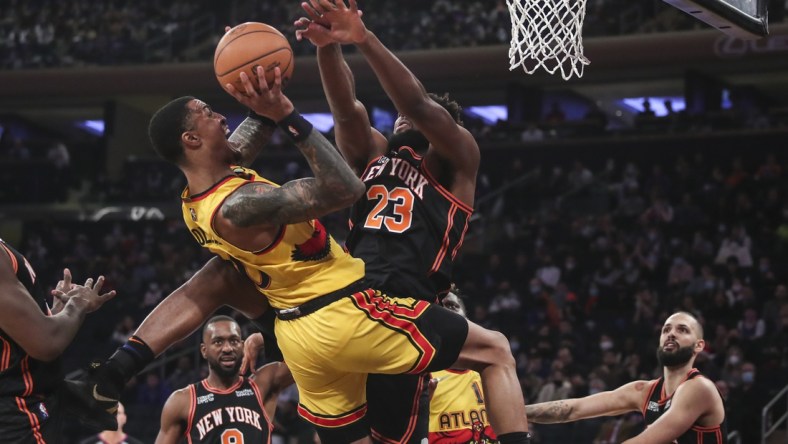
88 294
262 99
331 21
63 286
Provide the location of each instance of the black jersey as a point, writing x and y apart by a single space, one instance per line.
235 415
407 228
658 403
27 386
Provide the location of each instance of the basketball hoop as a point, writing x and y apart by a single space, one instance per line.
548 34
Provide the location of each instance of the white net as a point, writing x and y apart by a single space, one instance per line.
548 34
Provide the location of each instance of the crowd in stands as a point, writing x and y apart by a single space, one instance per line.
73 33
578 264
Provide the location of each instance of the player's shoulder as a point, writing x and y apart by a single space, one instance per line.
181 395
639 386
700 384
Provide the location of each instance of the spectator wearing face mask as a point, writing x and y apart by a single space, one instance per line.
750 392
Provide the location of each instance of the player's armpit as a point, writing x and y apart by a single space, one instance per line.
690 401
173 417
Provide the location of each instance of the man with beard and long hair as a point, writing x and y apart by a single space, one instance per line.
420 187
681 407
225 406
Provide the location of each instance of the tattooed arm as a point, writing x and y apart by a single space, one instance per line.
334 187
627 398
251 136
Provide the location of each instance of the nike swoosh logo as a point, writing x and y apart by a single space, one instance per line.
101 398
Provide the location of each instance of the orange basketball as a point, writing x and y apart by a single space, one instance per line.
247 46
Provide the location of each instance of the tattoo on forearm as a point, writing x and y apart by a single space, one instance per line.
336 180
297 200
549 412
251 136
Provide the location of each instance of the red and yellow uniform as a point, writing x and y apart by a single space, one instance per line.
330 351
457 412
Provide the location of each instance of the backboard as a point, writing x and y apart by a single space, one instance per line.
745 19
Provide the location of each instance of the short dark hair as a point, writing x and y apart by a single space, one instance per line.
166 127
449 105
215 319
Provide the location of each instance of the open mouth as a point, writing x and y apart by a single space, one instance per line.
670 345
228 361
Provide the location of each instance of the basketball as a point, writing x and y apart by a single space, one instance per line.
247 46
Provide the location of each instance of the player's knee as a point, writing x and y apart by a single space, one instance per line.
497 350
502 350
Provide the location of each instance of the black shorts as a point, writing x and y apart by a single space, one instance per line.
398 408
30 419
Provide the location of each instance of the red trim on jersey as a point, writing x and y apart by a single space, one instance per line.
648 397
436 265
334 420
705 429
369 165
5 358
14 263
35 426
232 388
259 397
202 195
414 411
462 238
446 193
663 398
192 410
397 318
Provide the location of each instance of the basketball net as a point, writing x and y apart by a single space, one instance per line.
548 34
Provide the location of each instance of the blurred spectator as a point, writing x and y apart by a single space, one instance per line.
114 436
123 330
736 244
555 115
531 133
749 392
184 374
152 392
751 327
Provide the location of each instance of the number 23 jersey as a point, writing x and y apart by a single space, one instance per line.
407 227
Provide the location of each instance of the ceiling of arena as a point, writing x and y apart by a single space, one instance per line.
630 66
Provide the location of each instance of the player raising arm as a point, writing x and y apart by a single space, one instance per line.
682 406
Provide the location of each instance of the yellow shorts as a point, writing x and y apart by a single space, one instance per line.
331 351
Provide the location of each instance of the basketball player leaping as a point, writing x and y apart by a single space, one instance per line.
419 196
680 407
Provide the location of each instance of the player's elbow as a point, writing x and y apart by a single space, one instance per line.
44 350
347 193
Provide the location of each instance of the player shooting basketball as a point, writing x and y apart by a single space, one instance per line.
420 187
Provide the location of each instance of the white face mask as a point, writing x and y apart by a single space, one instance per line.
606 345
734 359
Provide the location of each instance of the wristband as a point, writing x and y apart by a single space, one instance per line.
296 126
262 119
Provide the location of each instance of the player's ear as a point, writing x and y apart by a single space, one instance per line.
189 138
203 349
700 345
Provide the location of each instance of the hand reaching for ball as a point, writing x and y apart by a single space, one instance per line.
260 98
